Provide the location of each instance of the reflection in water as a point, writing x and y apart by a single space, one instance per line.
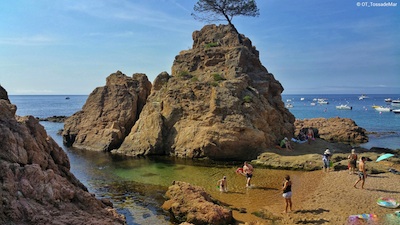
136 186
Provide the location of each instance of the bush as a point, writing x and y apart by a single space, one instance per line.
184 75
217 77
247 98
212 44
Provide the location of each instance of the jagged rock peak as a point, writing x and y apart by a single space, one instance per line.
3 94
220 36
108 114
220 102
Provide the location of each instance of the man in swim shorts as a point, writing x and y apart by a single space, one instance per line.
248 171
362 174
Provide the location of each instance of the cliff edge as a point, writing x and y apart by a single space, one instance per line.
37 186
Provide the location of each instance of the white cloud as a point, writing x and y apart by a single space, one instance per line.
28 40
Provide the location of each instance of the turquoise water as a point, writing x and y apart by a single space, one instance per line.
385 125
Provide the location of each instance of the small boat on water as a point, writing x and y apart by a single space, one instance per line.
396 102
383 109
288 105
345 107
322 101
362 97
301 99
376 106
396 111
388 100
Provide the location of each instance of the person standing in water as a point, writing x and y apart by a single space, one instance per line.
287 193
223 185
248 171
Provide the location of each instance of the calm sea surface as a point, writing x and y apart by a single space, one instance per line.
136 186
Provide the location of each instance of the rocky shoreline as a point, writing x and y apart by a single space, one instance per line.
37 186
307 157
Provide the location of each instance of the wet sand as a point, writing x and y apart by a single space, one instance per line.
318 197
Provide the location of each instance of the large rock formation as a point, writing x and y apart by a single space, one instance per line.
335 129
36 186
192 204
108 114
220 102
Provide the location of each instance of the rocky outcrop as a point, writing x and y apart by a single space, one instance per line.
36 184
108 114
192 204
220 102
334 129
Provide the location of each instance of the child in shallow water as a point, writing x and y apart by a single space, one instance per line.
223 185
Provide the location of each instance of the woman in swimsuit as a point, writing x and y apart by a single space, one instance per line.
287 192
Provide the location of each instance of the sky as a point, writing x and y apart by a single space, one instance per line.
311 46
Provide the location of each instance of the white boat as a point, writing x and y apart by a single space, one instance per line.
288 105
363 96
301 99
322 101
312 103
396 110
396 102
383 109
346 107
388 100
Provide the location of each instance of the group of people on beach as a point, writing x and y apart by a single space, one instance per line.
305 135
247 171
352 165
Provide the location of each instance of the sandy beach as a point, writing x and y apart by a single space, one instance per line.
318 197
334 199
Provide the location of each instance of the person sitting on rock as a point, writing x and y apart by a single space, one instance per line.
285 143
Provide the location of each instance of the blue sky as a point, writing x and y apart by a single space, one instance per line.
311 46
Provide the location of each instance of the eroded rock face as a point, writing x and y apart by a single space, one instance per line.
192 204
220 102
36 184
334 129
108 114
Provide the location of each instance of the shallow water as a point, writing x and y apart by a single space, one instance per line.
136 186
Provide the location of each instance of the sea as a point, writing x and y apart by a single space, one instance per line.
383 127
136 186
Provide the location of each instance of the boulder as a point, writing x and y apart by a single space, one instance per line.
191 204
334 129
37 186
108 114
219 102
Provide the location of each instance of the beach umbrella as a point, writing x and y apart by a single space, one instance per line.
384 156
